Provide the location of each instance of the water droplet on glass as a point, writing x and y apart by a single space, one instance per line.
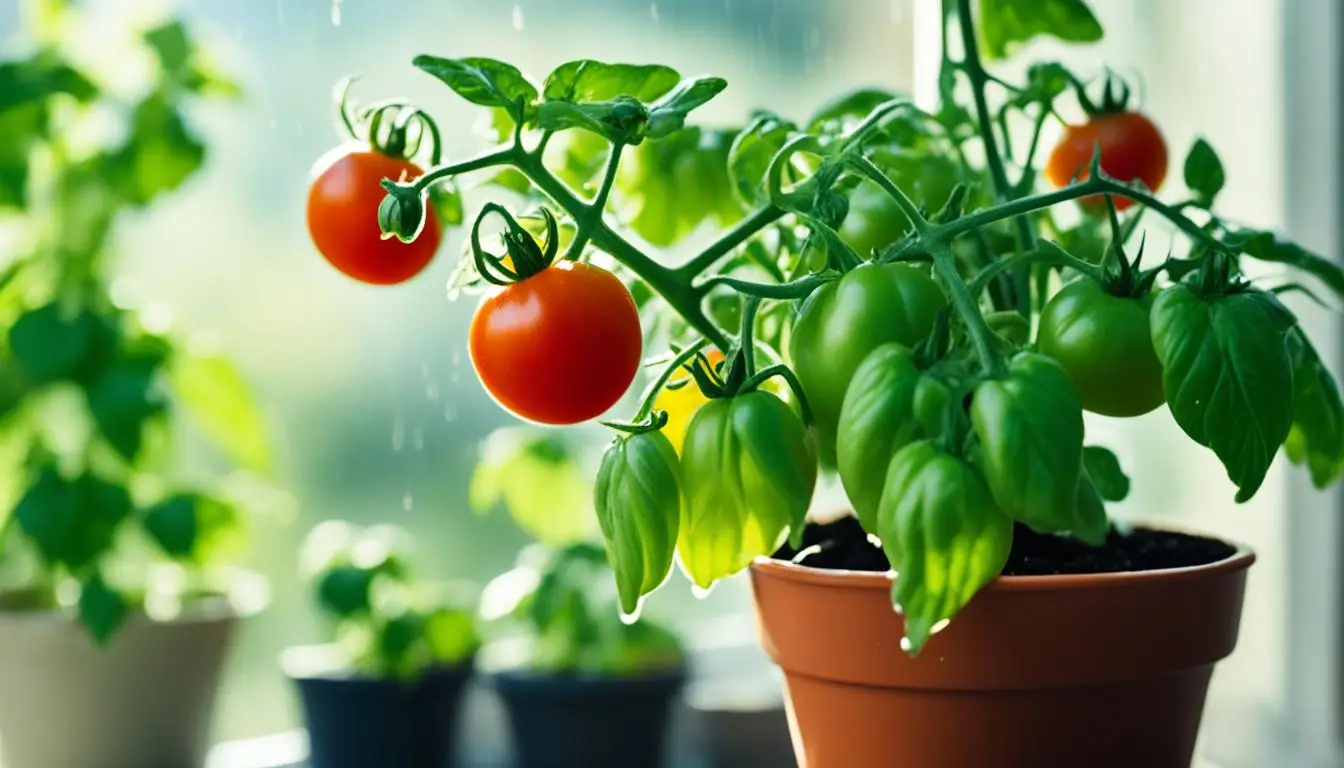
905 644
518 18
450 413
398 434
418 439
432 391
653 11
407 503
336 13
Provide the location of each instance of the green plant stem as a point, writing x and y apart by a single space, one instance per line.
945 264
683 357
675 288
584 228
945 233
975 71
797 289
739 234
495 157
866 167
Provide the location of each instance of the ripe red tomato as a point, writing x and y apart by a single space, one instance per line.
1131 148
343 217
559 347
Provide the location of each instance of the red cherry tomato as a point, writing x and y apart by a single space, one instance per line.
560 347
1131 149
343 217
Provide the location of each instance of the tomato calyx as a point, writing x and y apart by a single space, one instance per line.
1114 98
395 128
524 256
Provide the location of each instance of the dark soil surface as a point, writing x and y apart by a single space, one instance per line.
843 545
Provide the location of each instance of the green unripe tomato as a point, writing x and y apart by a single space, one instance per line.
844 321
1105 345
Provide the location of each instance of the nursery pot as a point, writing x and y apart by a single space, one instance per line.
144 700
358 722
1103 671
564 721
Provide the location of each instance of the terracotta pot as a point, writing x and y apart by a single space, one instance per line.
1094 671
144 700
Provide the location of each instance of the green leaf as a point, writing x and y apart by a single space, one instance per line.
446 199
195 528
51 344
665 190
1266 246
102 609
1204 173
172 525
122 398
172 45
482 81
750 155
160 154
1006 25
451 635
1106 473
588 80
1227 376
539 481
1046 80
668 114
1316 439
72 523
622 119
345 590
211 388
40 78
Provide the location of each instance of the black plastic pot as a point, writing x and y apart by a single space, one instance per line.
356 722
568 721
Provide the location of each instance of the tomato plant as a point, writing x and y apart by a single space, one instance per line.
888 265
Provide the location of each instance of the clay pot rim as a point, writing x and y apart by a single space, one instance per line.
1241 558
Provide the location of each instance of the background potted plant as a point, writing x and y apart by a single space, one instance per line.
389 689
941 368
580 683
118 560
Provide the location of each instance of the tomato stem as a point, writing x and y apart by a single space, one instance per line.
945 264
866 167
797 289
740 233
786 373
651 394
593 211
975 71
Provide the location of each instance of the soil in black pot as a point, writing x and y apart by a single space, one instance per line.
843 545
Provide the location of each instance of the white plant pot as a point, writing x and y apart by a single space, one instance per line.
143 701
